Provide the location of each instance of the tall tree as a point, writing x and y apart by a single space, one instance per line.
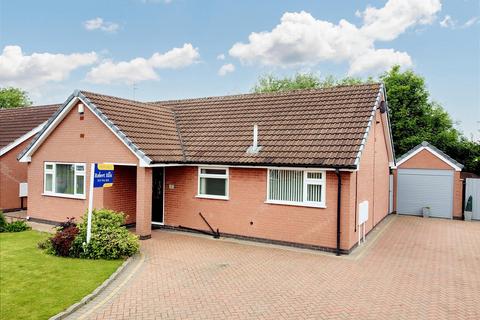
13 98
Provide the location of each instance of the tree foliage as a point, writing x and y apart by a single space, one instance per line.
271 83
414 116
13 98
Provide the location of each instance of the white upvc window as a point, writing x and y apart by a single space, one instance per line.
297 187
213 183
64 179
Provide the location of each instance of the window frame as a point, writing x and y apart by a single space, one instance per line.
76 173
306 181
226 176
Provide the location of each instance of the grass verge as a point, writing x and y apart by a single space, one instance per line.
35 285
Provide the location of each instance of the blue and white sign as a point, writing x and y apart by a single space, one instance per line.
103 175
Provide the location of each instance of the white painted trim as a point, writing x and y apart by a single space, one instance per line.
53 172
304 203
22 139
215 176
206 196
453 165
298 204
158 223
369 125
244 167
68 196
121 164
27 156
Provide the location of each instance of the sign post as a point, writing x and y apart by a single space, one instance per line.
101 176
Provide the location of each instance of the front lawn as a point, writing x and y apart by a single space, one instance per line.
35 285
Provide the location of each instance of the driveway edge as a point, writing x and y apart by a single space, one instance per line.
74 307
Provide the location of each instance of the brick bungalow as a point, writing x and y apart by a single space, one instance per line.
287 168
17 129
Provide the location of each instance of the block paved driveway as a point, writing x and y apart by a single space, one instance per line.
414 268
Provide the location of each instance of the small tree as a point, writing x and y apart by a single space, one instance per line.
13 98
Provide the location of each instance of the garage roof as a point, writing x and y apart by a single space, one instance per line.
435 151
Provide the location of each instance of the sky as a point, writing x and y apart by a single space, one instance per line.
170 49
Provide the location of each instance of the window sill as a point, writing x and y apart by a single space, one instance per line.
68 196
204 196
297 204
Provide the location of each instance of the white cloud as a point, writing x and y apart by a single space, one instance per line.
99 24
379 60
470 22
221 57
176 58
396 16
301 40
37 69
226 68
141 69
447 22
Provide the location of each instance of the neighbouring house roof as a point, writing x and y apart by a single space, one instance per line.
19 124
432 149
321 127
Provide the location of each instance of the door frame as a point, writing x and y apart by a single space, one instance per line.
163 202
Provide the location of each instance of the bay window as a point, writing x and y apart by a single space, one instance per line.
296 187
213 183
64 179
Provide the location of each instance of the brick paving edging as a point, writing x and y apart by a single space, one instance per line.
95 293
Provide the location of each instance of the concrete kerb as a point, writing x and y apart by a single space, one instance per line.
96 292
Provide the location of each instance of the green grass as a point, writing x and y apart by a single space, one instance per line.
35 285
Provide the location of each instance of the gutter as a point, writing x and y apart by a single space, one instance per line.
339 201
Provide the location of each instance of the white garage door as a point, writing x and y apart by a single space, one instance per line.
418 188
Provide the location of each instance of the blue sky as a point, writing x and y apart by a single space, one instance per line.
178 48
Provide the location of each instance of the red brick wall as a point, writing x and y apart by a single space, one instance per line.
246 212
122 195
373 178
65 144
427 160
12 173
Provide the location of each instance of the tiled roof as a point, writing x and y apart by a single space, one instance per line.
14 123
439 152
151 128
322 127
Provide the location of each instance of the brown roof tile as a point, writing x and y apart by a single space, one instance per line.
151 128
322 127
14 123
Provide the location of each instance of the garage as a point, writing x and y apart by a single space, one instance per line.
418 188
427 177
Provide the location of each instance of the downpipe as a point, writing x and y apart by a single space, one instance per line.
339 201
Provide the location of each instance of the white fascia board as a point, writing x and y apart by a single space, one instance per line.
27 156
451 164
244 166
22 139
369 125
